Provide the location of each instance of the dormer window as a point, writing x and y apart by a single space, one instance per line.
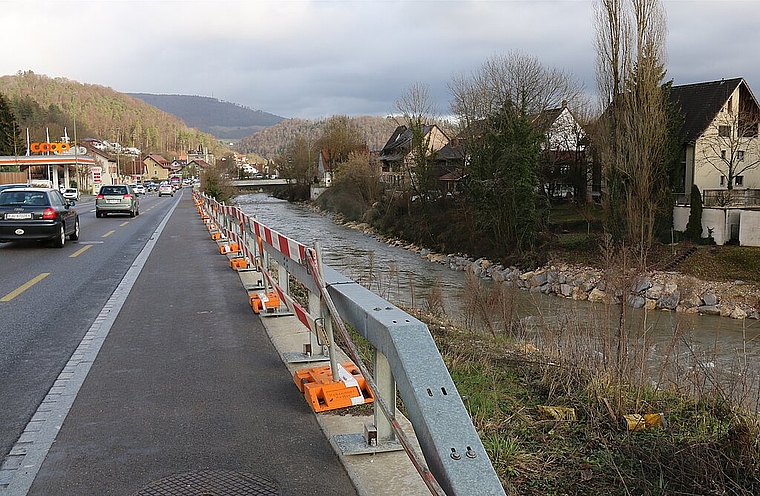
724 131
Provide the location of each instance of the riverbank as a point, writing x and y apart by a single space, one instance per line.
655 290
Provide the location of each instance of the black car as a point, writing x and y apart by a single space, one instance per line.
37 214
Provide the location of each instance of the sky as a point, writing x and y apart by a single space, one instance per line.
312 59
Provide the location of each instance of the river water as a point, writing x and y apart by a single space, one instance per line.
713 346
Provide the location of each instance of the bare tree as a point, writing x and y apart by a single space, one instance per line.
516 78
632 132
732 146
417 112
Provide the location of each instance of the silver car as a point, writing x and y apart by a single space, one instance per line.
117 198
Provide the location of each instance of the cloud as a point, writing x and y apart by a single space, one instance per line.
317 58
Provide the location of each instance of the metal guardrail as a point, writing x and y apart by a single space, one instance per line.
406 359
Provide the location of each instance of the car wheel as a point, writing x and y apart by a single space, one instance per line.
75 235
60 240
98 214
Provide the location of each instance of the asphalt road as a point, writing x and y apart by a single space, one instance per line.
186 381
41 326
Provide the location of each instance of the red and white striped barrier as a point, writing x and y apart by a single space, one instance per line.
294 250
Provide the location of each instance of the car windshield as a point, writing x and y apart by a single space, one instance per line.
34 198
113 190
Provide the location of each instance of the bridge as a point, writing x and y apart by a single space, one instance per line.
259 183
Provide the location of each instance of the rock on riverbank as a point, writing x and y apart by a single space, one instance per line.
667 291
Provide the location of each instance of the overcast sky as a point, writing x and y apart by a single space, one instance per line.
317 58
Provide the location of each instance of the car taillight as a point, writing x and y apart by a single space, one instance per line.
49 214
127 196
100 197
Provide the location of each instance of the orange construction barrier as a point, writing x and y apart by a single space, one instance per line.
323 393
238 263
228 248
268 302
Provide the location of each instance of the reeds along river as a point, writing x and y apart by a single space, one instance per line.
710 346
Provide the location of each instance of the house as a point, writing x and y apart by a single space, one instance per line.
397 158
158 168
324 167
721 150
564 164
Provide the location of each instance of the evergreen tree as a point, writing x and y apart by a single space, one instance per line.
10 143
503 181
694 226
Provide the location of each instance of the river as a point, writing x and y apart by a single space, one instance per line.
714 346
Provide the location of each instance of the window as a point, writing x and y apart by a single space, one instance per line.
740 155
723 154
722 180
739 181
724 131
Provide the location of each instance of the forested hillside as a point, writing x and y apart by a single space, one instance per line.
273 140
47 105
225 120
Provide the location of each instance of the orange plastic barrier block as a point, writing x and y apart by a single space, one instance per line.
228 248
238 263
268 302
216 235
323 393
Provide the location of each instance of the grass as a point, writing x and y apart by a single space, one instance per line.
707 446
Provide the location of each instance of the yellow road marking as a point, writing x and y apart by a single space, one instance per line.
108 234
80 251
24 287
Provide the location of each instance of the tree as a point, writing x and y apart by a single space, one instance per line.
632 132
298 163
503 180
516 78
732 146
694 225
10 136
417 112
341 138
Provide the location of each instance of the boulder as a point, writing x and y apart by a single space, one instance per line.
669 301
738 313
709 310
597 295
636 301
539 279
641 286
710 299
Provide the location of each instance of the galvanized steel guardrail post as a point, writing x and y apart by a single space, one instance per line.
406 358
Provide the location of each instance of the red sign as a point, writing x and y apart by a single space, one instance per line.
96 174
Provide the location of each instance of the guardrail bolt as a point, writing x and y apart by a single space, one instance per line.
470 453
455 455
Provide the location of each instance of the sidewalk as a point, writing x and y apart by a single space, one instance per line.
189 395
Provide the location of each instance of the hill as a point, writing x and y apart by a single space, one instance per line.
273 140
225 120
47 106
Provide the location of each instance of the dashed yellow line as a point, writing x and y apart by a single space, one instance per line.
108 234
80 251
24 287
